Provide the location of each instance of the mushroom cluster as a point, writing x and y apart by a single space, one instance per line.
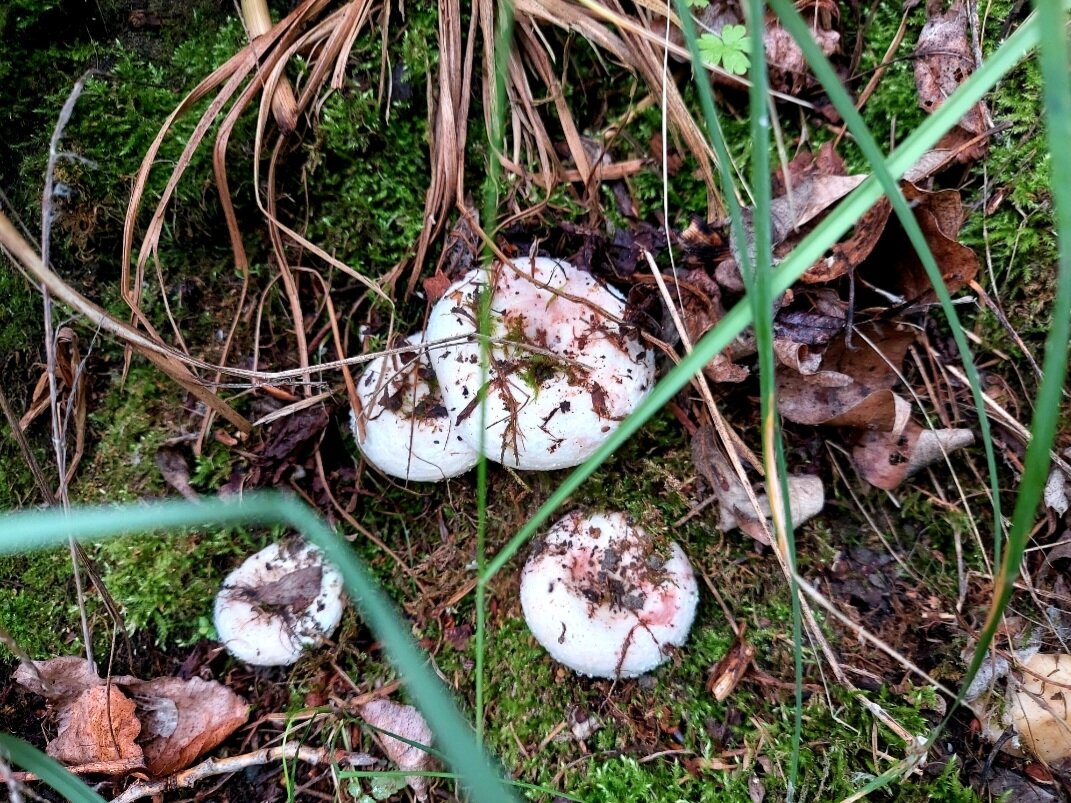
605 598
564 371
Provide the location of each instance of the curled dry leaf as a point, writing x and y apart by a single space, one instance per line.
896 268
885 459
944 60
854 387
806 493
404 721
797 356
173 721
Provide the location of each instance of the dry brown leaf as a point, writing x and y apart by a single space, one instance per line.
847 255
175 471
789 72
806 493
807 200
810 328
183 719
98 726
404 721
943 61
174 720
805 165
730 670
940 216
59 680
854 388
885 459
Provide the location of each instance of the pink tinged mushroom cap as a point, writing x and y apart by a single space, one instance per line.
563 372
407 431
280 601
605 598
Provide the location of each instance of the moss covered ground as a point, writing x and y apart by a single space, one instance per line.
662 739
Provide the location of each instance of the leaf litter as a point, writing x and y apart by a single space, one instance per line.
163 724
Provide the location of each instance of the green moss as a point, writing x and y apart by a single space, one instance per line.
166 583
37 607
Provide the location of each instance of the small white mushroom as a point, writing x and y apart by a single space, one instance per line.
1040 706
605 598
404 429
280 601
563 373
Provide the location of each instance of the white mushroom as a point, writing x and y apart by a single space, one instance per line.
1040 706
563 373
404 429
280 601
605 598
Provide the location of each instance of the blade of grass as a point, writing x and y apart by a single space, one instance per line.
47 769
503 39
36 530
1055 64
811 248
760 294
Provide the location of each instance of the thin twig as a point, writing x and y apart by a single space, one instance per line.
59 434
315 756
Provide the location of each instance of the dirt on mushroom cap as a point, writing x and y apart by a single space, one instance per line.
606 599
404 429
563 372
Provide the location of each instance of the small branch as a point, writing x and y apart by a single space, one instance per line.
220 766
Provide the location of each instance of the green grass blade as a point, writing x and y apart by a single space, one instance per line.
760 293
497 135
824 235
1055 65
50 771
36 530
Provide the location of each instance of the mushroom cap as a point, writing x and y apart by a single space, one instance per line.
1040 710
606 599
278 602
407 431
562 375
